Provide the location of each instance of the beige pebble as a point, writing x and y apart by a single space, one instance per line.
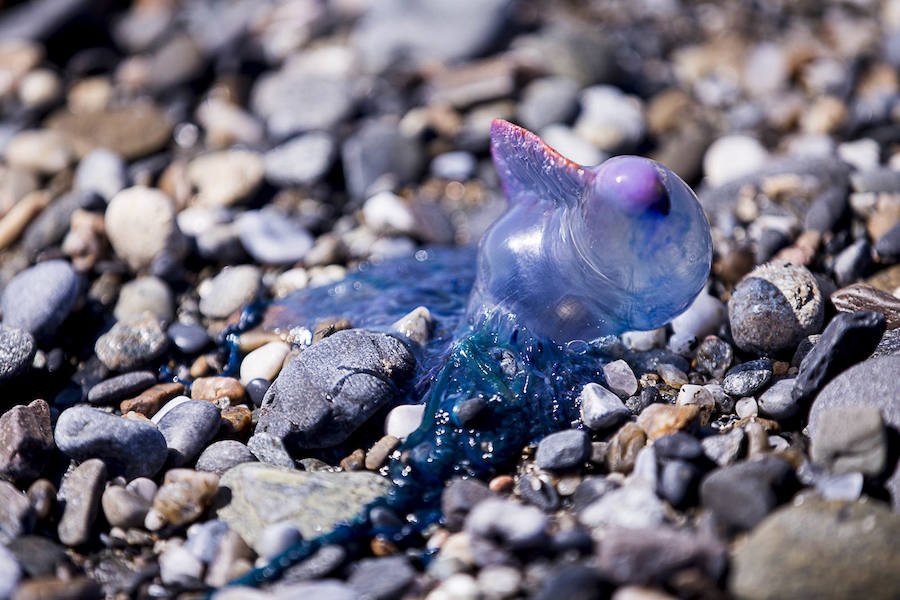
264 362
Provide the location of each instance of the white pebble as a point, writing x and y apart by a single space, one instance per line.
864 154
600 408
731 157
746 407
620 378
264 362
416 325
276 538
403 420
179 567
697 395
386 212
460 586
290 281
644 340
703 317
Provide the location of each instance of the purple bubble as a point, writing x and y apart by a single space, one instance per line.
634 184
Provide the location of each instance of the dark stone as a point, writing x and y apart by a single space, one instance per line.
38 555
741 495
713 356
848 339
256 389
827 210
860 296
590 489
379 148
470 411
187 429
26 441
334 386
49 227
121 387
458 499
778 401
80 494
649 395
678 445
563 450
538 492
128 447
574 582
747 378
853 263
17 350
323 562
221 456
888 245
16 512
677 482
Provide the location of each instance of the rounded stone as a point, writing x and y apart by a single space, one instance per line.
222 455
40 150
102 172
272 237
140 225
132 343
145 294
39 299
774 307
301 160
128 447
226 177
563 450
228 291
188 427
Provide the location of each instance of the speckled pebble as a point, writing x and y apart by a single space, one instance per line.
132 343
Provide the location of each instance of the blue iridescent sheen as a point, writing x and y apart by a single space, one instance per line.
581 252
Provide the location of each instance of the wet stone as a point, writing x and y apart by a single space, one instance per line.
188 338
121 387
256 390
323 419
128 447
850 439
747 378
80 491
848 339
132 343
261 495
39 299
187 429
26 441
222 391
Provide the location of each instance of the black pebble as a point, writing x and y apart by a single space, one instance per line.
256 389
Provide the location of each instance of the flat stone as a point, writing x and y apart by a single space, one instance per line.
746 379
124 508
631 506
81 490
273 237
563 450
128 447
301 160
182 498
303 409
26 441
835 550
860 296
150 401
189 338
230 290
121 387
381 578
261 495
132 343
39 299
131 130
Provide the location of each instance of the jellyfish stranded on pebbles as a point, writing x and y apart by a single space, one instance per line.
580 252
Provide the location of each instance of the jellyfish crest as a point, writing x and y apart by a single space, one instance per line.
530 170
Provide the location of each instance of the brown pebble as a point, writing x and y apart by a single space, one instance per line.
382 547
51 588
780 367
183 497
860 296
251 340
802 251
502 484
136 416
624 447
14 222
199 367
236 419
151 400
380 450
659 420
223 391
42 496
735 264
355 461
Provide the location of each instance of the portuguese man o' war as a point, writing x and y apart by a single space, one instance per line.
580 253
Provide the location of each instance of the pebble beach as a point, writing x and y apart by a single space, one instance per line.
188 189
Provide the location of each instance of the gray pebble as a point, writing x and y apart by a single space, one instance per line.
293 101
563 450
513 525
547 101
276 538
849 439
189 338
10 573
301 407
203 539
51 226
272 237
300 161
620 378
121 387
741 495
187 428
39 298
102 172
132 343
677 481
459 165
678 445
26 441
778 402
128 447
124 508
378 148
17 516
145 294
221 456
17 349
774 307
458 499
600 408
725 448
80 491
231 289
270 449
381 578
632 506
